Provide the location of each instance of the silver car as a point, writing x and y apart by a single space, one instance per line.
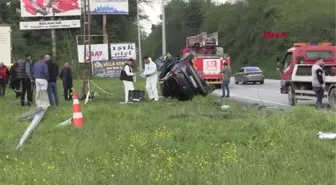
249 74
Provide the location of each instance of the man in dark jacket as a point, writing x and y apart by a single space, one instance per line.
25 75
127 77
14 82
52 82
66 76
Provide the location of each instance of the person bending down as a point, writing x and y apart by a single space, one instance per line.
151 74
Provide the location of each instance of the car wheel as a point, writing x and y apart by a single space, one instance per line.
254 82
243 81
236 81
262 82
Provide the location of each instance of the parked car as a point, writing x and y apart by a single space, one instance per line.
178 78
249 74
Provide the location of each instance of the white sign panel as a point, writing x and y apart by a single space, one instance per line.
5 45
40 8
211 66
119 7
42 25
98 52
123 51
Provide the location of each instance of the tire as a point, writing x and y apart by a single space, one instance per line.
291 96
332 98
237 82
262 82
254 82
243 82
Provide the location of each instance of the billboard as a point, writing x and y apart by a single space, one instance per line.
48 8
43 25
108 68
123 51
113 7
5 45
98 52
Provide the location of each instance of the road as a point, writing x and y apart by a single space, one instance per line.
267 94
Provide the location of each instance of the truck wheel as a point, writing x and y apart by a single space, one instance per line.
291 96
332 98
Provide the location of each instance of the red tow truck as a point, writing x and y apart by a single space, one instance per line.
209 58
296 75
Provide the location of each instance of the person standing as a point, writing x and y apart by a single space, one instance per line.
227 73
127 77
66 76
40 70
4 74
52 82
24 74
318 81
151 74
14 82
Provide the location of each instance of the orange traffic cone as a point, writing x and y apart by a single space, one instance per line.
77 116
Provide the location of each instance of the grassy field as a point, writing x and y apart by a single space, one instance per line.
166 143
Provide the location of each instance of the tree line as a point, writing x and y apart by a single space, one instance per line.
241 26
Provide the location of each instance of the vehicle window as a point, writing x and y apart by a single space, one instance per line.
317 54
252 69
287 60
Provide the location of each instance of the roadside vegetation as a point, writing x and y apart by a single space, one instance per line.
167 143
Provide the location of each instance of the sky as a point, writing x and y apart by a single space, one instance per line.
153 12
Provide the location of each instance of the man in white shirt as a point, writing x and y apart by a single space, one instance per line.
151 74
127 77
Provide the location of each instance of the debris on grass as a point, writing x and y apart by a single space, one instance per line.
326 135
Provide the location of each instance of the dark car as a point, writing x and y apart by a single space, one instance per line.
249 74
178 78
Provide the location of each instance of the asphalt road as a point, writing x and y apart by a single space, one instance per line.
267 94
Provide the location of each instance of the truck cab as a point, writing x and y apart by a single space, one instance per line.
209 58
297 63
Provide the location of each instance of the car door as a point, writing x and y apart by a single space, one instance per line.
239 75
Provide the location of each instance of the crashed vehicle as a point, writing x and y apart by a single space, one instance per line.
178 78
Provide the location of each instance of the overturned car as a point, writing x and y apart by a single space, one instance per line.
178 78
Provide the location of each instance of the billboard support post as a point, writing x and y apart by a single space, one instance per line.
53 40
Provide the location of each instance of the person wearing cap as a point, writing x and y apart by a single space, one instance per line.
318 81
127 77
226 80
151 74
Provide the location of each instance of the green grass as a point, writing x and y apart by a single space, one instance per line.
168 142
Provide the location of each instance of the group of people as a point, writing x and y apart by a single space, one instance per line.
23 76
127 76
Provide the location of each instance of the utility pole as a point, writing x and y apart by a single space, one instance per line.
139 37
105 29
53 40
163 27
87 42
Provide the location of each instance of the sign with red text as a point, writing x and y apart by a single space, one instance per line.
211 66
98 52
275 35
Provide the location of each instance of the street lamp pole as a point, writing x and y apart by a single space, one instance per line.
139 36
163 28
